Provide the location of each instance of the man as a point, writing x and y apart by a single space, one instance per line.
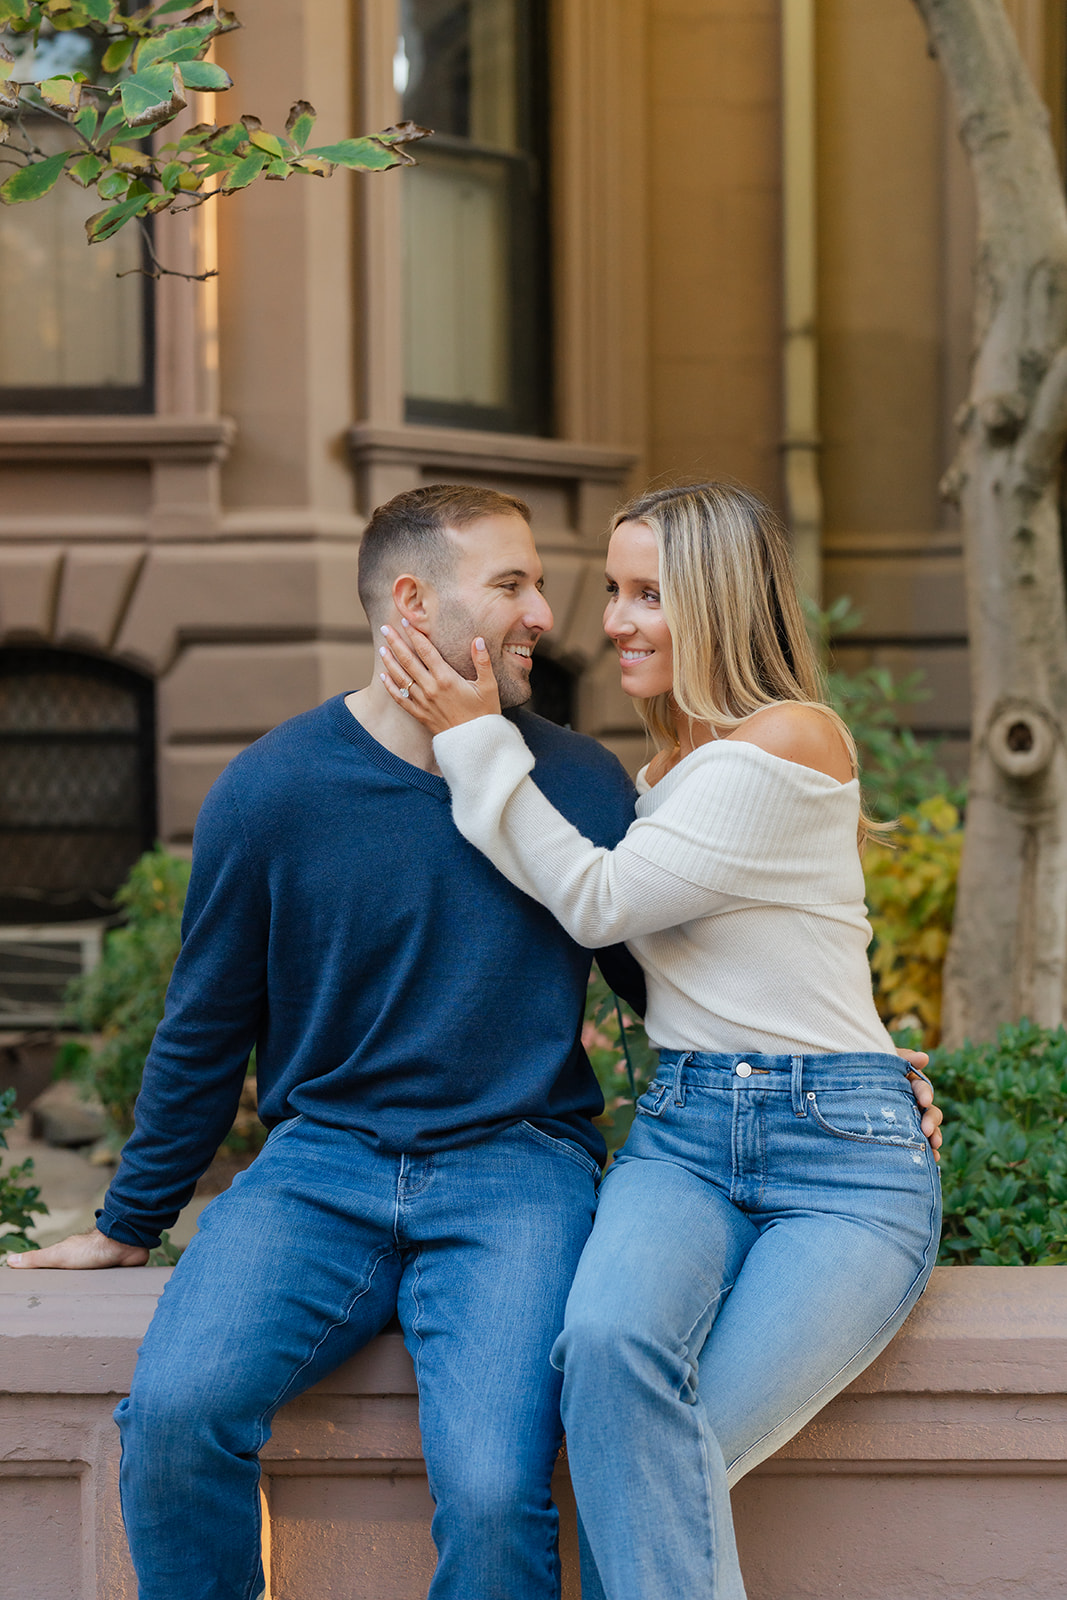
432 1155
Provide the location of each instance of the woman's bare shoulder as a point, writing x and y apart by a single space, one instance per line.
802 734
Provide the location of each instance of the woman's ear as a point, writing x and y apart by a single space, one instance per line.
413 599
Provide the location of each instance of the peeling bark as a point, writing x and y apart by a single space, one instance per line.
1008 954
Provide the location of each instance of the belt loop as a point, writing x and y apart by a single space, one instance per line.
796 1087
679 1069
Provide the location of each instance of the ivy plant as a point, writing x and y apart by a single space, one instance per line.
112 80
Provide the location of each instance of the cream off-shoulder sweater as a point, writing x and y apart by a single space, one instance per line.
738 887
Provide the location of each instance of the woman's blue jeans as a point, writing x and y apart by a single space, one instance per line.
304 1259
759 1239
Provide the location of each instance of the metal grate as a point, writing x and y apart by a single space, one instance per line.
77 790
36 965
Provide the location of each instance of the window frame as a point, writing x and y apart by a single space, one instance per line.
530 408
106 399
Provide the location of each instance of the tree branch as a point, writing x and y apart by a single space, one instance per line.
1042 441
157 270
1002 120
68 122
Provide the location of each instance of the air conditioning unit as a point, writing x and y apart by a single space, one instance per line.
37 961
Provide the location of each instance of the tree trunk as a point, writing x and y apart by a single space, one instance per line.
1008 954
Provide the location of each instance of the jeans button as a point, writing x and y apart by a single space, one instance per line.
743 1069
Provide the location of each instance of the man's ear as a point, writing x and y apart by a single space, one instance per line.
413 599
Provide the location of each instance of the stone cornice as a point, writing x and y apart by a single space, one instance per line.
462 450
115 438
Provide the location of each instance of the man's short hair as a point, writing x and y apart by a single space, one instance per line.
410 534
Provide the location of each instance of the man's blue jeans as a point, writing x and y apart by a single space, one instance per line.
306 1257
762 1235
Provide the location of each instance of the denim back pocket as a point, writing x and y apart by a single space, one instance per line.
653 1100
868 1117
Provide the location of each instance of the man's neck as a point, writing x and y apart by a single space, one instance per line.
392 727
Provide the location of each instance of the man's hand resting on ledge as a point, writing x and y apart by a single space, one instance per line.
82 1251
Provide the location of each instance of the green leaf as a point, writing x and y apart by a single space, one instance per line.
14 11
227 139
129 158
112 118
152 96
103 224
270 143
171 175
87 169
98 10
31 182
113 185
366 155
170 8
172 44
117 54
86 122
209 164
313 165
205 76
63 93
246 171
299 122
193 137
9 92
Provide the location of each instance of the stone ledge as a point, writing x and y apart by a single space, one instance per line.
115 438
461 449
941 1470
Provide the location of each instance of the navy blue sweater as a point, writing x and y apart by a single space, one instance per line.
390 978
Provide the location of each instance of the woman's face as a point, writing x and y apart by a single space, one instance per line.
633 620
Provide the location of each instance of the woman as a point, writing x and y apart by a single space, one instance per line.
775 1212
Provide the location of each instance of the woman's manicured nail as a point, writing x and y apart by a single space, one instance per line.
479 644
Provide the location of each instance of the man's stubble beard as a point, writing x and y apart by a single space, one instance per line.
454 634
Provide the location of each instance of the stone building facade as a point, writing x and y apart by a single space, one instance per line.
655 239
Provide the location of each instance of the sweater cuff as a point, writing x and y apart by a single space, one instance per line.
468 750
124 1232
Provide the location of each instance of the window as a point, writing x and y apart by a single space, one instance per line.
77 782
475 214
75 336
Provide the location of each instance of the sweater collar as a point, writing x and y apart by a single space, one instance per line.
355 733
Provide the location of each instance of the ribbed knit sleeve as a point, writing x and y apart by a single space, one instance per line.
730 823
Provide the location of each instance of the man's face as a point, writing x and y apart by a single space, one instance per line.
495 593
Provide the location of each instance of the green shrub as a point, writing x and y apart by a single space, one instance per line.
898 771
1004 1162
121 1000
119 1005
20 1201
911 896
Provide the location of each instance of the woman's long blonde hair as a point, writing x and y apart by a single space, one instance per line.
729 597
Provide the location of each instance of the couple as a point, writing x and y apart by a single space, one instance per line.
411 966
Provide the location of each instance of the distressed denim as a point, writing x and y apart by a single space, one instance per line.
305 1258
759 1239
